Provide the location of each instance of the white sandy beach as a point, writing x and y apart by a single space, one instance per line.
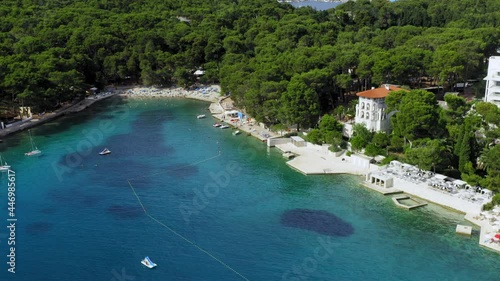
210 93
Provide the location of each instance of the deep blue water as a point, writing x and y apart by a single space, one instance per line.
221 207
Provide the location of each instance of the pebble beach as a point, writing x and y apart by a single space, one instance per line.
210 93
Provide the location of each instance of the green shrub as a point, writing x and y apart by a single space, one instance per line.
495 201
388 159
334 148
314 136
373 150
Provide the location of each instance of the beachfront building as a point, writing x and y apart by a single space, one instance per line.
371 108
437 188
492 92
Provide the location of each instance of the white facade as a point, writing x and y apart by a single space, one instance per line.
492 93
372 113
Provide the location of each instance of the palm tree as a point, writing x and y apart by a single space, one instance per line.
489 160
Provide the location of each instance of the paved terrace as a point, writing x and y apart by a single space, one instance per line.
490 226
436 188
315 160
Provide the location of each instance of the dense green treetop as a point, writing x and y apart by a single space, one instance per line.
282 65
52 51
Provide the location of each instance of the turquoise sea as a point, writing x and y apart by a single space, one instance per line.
220 207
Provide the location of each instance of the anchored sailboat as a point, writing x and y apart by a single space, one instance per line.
105 152
3 164
34 150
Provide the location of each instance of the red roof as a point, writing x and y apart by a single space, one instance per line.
377 93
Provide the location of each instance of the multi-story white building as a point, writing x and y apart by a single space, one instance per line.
371 108
492 92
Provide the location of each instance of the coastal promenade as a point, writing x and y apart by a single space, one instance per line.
69 108
219 111
204 93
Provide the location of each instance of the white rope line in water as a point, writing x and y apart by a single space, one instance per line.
178 234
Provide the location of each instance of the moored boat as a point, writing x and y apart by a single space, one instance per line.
34 150
3 165
105 152
147 262
237 132
217 125
224 126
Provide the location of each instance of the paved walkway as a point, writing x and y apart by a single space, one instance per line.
79 106
316 160
218 108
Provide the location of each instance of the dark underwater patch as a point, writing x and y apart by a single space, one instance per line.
321 222
153 118
63 195
182 171
106 117
38 227
73 159
125 211
144 142
90 200
48 210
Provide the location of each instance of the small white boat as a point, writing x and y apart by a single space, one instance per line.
224 126
237 132
34 150
216 125
147 262
200 116
3 165
105 151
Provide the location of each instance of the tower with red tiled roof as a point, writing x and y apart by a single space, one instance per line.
371 108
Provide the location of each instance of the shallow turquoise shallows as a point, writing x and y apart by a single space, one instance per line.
219 207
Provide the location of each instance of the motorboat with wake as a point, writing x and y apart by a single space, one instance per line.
105 152
201 116
147 262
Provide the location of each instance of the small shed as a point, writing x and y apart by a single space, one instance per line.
298 141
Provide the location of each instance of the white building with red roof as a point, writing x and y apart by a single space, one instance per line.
371 108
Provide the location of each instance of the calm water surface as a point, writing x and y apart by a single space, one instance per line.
221 207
